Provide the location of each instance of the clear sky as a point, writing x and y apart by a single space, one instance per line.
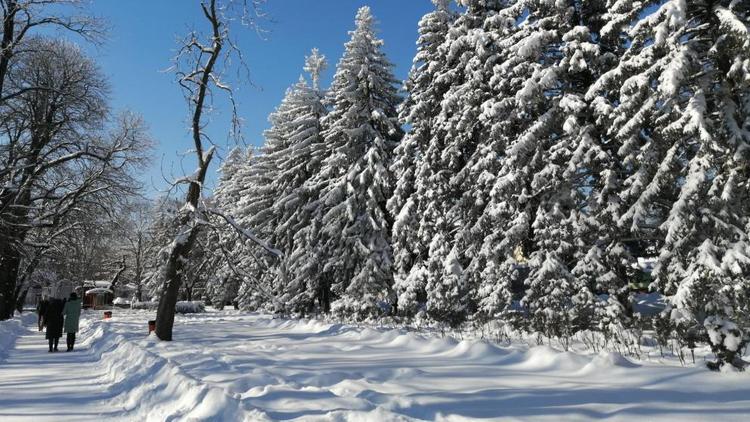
143 39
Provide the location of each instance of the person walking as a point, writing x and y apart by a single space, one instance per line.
41 309
53 317
72 312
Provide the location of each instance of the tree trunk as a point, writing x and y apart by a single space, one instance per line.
10 262
116 278
324 296
9 26
21 300
199 91
173 280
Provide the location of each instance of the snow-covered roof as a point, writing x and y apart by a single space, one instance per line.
96 283
98 291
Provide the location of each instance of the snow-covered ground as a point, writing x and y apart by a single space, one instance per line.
232 366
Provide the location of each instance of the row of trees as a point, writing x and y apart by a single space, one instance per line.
66 161
70 206
564 139
318 190
559 139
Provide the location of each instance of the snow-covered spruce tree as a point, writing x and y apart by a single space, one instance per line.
274 199
269 192
297 161
224 287
253 208
422 103
543 143
244 276
454 174
228 192
684 110
504 228
580 174
360 134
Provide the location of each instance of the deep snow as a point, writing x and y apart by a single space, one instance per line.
233 366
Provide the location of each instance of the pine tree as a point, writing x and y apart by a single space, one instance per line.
360 134
418 110
517 119
224 287
241 195
682 120
456 172
268 192
297 163
228 192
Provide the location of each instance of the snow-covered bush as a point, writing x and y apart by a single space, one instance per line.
150 306
194 307
727 342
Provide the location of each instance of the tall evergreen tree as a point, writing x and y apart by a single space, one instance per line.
297 162
550 152
418 110
454 176
682 116
268 191
360 134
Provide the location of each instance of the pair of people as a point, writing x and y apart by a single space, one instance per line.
62 315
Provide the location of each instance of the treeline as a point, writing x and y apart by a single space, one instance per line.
547 143
67 161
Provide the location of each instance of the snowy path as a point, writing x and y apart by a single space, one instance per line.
39 386
228 366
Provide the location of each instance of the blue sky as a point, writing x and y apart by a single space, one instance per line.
143 39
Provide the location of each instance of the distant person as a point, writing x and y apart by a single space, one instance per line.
41 309
53 317
72 312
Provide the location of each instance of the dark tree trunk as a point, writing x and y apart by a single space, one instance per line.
180 252
172 276
10 262
324 296
118 274
9 26
21 299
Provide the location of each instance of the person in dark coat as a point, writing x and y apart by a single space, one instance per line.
41 309
72 313
54 320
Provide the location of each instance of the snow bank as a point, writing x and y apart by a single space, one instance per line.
148 387
11 329
608 361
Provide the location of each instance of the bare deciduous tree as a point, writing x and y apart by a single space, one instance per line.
22 17
59 153
201 64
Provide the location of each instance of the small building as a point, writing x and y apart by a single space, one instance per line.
96 294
